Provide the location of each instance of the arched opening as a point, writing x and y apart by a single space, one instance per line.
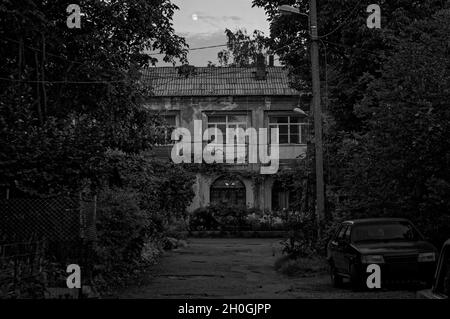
230 191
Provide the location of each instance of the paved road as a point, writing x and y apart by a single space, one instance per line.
235 268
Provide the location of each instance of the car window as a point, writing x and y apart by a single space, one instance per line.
342 232
389 231
443 284
338 230
347 233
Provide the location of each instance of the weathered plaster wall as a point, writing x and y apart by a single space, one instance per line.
189 109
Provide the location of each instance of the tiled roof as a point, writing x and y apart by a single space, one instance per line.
217 81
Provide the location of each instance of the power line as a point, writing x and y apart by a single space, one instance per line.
198 48
207 47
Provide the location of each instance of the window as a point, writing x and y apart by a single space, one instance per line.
390 231
292 129
341 234
338 231
222 122
228 191
347 234
231 121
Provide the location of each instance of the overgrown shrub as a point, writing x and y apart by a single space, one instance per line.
122 227
203 219
143 202
223 217
302 236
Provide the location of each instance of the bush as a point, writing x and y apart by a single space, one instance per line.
203 219
215 217
142 203
302 240
123 231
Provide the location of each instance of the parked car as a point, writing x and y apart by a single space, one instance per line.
392 243
441 283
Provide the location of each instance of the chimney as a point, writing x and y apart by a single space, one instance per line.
260 67
271 59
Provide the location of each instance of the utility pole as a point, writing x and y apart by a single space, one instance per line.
320 189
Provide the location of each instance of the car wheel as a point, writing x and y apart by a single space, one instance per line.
356 280
336 279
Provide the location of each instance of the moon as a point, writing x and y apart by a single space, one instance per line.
194 17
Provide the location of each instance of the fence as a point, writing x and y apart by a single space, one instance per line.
57 230
20 264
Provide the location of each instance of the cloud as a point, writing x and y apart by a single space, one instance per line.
218 22
224 18
206 39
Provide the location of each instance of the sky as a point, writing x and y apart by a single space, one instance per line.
203 22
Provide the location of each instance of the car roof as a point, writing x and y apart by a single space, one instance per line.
447 242
374 220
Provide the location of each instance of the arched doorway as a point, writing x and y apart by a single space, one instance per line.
229 191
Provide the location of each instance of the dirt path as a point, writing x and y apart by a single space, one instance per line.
235 268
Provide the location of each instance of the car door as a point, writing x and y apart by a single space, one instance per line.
442 285
347 251
331 254
339 250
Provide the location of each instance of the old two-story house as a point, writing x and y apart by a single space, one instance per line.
233 97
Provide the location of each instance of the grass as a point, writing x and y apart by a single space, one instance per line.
301 267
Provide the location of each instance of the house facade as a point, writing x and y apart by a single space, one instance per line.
232 98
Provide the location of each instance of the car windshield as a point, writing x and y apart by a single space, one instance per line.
391 231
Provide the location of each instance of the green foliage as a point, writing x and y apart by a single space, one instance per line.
127 239
66 95
203 219
242 48
219 217
301 242
399 166
225 217
162 187
386 134
140 200
122 228
353 53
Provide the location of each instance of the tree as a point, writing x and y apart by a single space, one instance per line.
351 54
69 94
400 166
242 49
383 91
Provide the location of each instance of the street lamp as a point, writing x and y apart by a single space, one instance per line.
286 9
320 189
300 111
